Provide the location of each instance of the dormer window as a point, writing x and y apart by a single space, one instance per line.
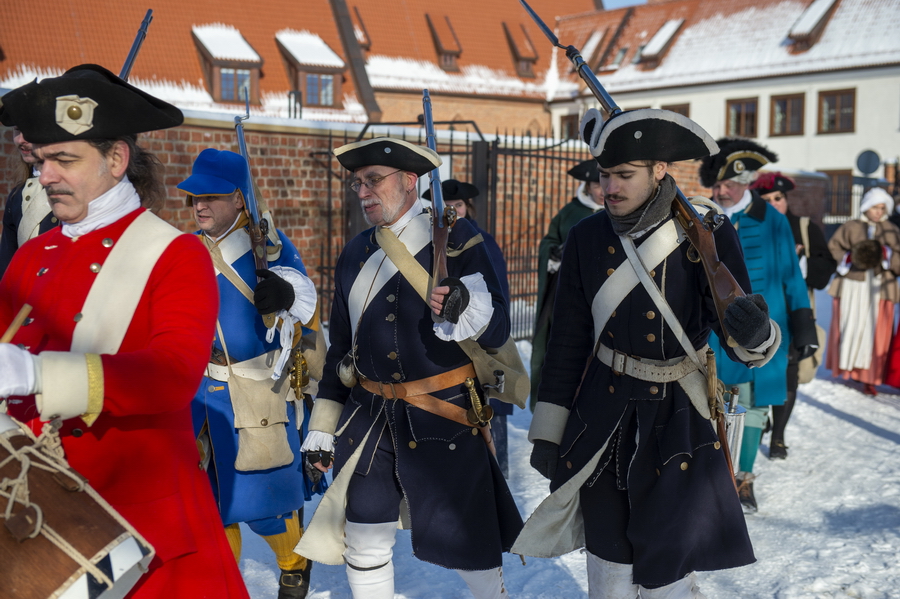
620 56
315 70
230 64
652 53
523 51
445 42
807 29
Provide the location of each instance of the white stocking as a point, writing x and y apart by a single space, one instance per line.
609 580
485 584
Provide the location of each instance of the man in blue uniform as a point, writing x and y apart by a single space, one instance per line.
397 386
257 472
771 257
637 473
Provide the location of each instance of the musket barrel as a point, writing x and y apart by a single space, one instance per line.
136 46
434 178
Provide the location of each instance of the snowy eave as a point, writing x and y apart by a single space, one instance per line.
224 42
308 49
658 42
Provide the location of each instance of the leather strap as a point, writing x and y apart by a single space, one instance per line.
645 369
437 382
227 271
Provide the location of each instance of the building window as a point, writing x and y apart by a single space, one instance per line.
787 115
446 44
235 84
840 200
837 111
319 89
620 56
523 50
741 117
682 109
569 126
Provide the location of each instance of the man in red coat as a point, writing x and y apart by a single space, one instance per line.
123 312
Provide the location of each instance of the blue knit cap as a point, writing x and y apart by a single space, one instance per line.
216 173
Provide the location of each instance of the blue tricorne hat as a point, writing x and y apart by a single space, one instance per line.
217 173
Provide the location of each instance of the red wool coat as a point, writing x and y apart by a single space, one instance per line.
140 454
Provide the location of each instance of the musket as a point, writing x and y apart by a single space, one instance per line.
442 217
699 230
136 46
258 227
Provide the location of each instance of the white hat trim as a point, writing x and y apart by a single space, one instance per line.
601 134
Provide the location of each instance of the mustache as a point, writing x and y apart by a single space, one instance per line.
53 191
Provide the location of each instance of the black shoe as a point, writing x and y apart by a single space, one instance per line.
745 493
294 584
777 450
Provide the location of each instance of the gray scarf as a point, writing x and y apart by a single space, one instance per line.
653 212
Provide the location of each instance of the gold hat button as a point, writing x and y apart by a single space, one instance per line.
74 112
95 267
107 243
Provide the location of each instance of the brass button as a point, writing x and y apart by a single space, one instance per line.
390 318
684 465
412 444
611 336
392 355
396 376
654 389
452 446
78 317
107 243
42 272
614 314
95 267
74 112
54 220
651 337
474 431
361 264
611 250
211 388
569 465
264 422
612 389
610 271
652 273
391 298
717 445
651 315
27 198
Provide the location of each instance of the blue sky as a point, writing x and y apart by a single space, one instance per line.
609 4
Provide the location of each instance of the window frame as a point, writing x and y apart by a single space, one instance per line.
742 132
835 93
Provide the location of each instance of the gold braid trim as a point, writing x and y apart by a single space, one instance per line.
95 388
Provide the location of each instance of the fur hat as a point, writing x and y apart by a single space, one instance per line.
451 189
645 134
736 156
386 151
876 196
588 171
772 182
866 254
85 102
217 173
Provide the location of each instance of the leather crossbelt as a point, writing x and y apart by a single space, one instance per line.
418 392
645 369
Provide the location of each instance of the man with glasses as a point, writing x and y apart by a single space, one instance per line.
391 405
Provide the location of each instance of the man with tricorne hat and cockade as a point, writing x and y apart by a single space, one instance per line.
771 258
257 472
638 476
121 326
588 200
396 388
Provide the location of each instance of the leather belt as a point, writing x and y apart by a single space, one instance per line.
645 369
258 368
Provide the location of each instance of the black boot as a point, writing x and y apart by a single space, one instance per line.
294 584
780 416
745 492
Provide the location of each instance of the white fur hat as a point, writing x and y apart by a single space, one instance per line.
876 196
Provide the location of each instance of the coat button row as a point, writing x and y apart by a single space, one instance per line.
107 243
650 315
651 337
95 267
392 355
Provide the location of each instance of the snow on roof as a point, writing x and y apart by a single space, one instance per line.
308 48
590 46
811 17
658 42
224 42
387 72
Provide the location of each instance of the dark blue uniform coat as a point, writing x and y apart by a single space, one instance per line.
12 215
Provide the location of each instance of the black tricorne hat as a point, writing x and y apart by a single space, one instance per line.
386 151
772 182
645 134
85 102
736 155
586 171
454 190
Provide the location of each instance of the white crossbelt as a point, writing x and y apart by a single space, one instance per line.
258 368
645 369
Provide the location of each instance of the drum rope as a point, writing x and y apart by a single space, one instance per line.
48 449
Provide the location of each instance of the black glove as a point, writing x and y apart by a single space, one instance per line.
866 254
544 456
314 457
272 293
806 351
747 320
556 252
455 301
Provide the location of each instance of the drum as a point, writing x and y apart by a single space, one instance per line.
60 539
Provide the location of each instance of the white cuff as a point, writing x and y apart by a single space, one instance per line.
758 359
317 440
548 422
475 318
844 267
17 371
304 306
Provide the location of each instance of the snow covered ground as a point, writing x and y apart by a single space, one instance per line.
828 525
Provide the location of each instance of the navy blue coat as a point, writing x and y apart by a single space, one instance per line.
462 513
685 514
12 215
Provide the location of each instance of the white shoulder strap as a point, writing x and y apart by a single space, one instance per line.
114 296
35 208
